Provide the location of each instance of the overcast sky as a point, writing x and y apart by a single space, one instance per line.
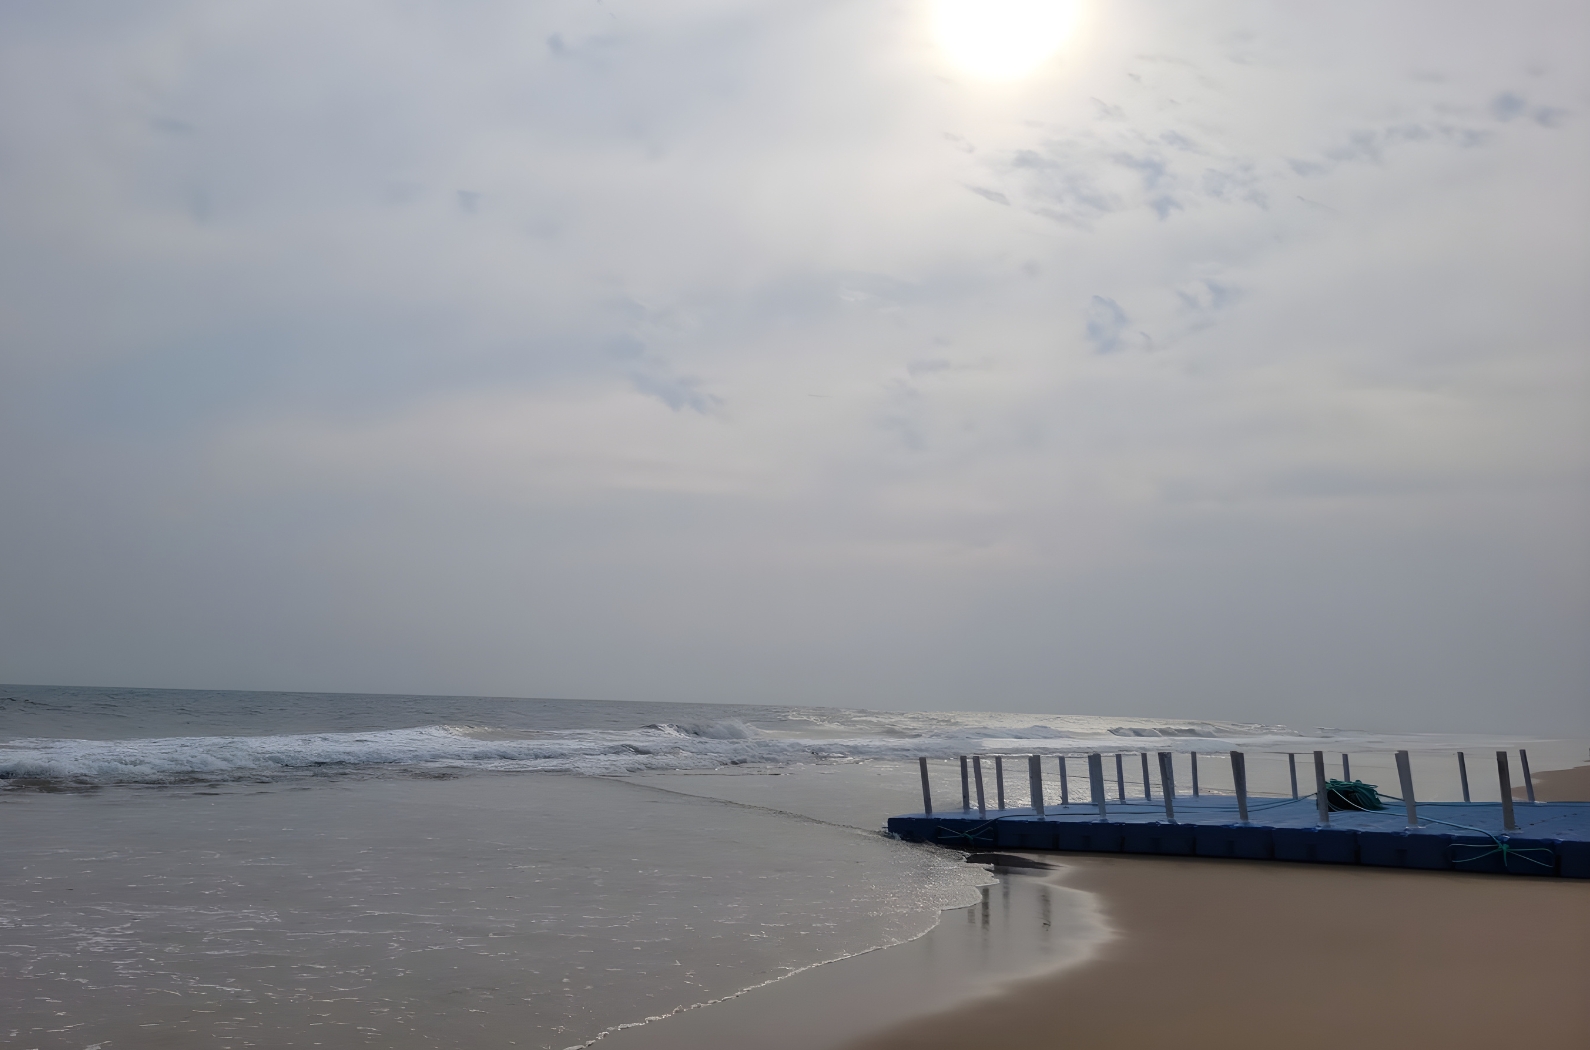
1233 363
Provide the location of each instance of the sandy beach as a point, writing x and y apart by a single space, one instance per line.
1560 785
1227 954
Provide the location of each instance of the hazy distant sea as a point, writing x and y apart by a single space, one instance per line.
188 868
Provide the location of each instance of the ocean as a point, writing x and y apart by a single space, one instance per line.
191 868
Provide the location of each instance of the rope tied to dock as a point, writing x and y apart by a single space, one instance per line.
970 836
1507 851
1498 846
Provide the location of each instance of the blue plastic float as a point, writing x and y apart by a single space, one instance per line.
1548 838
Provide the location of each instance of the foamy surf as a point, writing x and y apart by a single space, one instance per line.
656 747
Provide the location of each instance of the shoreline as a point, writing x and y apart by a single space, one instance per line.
1204 952
1230 953
1025 924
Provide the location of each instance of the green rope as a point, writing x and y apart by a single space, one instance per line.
1498 846
1507 852
969 836
1352 794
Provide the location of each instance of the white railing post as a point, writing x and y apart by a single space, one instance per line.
1405 776
1321 792
977 771
1506 780
1035 783
1167 785
1096 780
1239 777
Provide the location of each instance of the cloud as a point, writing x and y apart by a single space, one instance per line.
1164 205
1063 185
651 374
661 350
1205 302
675 391
1106 323
1239 182
1151 168
1507 105
990 195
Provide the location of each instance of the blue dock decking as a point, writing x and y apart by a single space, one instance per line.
1552 838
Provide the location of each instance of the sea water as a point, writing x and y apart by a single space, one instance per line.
187 868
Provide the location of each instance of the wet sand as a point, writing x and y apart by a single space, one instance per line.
1024 924
1560 785
1234 954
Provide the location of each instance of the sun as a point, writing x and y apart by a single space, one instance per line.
1002 39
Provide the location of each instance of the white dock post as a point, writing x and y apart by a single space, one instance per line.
1096 780
1239 777
1347 770
927 796
1291 766
999 780
1035 783
1065 786
1321 793
1167 785
977 771
1529 781
1195 773
1120 779
1506 780
1463 775
966 788
1405 776
1148 791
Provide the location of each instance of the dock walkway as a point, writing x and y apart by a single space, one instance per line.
1552 838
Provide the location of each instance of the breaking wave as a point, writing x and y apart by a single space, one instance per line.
655 747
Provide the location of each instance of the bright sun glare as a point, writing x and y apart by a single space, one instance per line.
1002 39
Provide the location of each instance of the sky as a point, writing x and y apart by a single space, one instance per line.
1227 360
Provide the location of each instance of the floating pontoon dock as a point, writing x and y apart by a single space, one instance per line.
1512 837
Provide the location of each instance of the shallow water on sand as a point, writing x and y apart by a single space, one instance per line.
536 910
1025 922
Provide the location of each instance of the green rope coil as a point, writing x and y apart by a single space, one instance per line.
1352 795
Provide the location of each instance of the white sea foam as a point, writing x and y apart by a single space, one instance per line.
847 736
